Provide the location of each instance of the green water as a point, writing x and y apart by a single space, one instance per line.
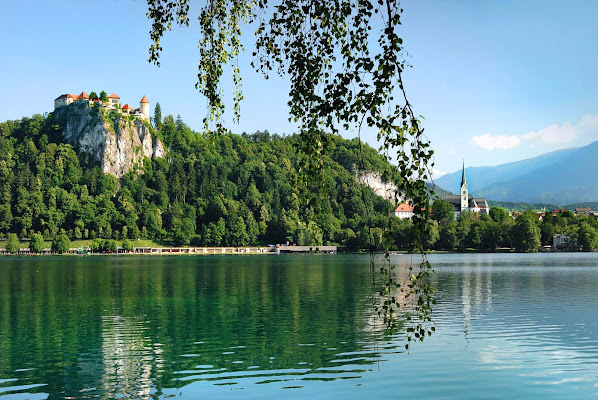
519 326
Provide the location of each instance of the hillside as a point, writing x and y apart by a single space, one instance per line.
561 177
229 190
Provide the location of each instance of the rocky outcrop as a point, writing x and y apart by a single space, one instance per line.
381 188
118 142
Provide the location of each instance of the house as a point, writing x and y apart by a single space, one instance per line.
402 211
559 241
464 201
583 211
113 103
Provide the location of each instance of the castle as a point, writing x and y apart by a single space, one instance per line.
113 103
464 201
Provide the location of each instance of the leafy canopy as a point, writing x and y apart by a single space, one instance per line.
344 60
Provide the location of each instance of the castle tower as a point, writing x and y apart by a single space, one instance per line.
464 191
144 107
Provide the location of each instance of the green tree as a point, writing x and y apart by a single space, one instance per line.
127 245
36 245
158 116
498 214
103 96
12 243
587 237
61 244
526 233
93 96
442 210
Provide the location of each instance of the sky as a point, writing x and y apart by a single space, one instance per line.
496 81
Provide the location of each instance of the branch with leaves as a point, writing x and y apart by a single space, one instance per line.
344 60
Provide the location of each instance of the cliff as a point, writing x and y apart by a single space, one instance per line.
118 142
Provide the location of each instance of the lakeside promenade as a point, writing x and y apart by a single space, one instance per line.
192 250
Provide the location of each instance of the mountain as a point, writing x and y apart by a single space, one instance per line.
560 177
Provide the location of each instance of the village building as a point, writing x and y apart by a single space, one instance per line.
559 241
403 211
466 202
113 103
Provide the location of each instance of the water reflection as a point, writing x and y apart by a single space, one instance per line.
507 325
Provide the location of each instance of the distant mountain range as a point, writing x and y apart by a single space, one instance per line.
560 177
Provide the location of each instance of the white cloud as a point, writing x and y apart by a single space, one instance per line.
554 133
489 142
436 173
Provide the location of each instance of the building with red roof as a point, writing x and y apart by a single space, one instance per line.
113 103
402 211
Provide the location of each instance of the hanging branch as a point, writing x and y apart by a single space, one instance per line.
344 60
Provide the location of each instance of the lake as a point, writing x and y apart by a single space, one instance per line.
298 326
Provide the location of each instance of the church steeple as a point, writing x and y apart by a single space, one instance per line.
464 190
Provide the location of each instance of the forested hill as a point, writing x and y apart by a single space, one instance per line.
230 190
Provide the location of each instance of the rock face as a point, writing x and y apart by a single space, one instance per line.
381 188
118 142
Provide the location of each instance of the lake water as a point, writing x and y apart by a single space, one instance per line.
295 326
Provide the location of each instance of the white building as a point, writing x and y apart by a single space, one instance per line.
464 201
113 103
402 211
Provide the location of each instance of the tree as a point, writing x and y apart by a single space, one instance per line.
158 116
36 245
498 214
127 245
103 96
442 210
587 237
12 243
526 233
61 243
93 96
339 80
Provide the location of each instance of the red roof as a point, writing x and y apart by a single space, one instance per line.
113 96
126 107
144 100
403 207
84 95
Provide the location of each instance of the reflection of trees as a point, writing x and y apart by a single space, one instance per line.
131 325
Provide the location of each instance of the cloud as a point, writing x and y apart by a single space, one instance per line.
489 142
436 173
554 133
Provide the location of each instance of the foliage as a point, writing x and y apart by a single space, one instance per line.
338 80
157 116
61 243
103 96
36 245
93 96
229 190
12 243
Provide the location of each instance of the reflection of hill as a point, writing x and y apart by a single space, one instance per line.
142 325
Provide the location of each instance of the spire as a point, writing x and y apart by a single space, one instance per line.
463 178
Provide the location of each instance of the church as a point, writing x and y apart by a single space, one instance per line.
466 202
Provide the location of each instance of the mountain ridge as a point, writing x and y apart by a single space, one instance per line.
559 177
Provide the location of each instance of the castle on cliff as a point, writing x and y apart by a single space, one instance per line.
113 103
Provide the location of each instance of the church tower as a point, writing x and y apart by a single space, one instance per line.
464 191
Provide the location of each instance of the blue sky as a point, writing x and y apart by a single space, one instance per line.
496 81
